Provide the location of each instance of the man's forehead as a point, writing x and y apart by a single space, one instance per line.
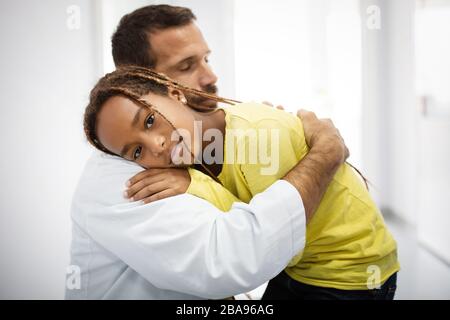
173 45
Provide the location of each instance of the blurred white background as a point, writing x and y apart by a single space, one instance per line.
380 69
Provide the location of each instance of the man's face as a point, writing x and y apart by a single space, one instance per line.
182 54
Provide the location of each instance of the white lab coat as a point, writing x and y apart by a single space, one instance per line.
177 248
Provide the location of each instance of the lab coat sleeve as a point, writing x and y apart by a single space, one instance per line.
185 244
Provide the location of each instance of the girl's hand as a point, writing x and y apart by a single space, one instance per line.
156 184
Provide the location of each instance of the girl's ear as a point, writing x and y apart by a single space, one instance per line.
177 95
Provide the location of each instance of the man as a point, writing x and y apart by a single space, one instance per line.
182 247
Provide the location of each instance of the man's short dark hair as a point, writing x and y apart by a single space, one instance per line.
130 42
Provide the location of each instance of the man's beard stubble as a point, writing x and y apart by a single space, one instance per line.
201 102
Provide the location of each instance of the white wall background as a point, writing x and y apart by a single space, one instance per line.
389 107
433 147
47 71
406 153
302 54
402 109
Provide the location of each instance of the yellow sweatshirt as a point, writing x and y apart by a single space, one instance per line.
347 242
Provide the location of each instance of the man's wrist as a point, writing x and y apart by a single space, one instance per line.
314 172
332 150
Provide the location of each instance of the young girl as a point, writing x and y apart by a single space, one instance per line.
144 117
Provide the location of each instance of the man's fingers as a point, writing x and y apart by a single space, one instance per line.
306 115
267 103
315 129
270 104
301 113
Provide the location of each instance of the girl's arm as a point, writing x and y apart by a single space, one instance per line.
156 184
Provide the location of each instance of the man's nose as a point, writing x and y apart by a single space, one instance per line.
207 76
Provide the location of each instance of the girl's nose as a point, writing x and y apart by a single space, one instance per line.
158 145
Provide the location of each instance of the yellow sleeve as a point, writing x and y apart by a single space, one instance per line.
205 187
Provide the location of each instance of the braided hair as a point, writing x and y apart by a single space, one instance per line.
133 82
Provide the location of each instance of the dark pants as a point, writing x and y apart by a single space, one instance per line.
283 287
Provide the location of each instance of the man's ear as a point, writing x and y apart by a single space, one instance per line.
177 95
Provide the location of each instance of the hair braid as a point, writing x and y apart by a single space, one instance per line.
133 82
164 80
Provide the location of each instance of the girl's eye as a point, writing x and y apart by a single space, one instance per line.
149 121
137 153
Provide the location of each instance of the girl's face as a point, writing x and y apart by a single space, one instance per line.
142 135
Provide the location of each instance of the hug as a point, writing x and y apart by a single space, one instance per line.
191 195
